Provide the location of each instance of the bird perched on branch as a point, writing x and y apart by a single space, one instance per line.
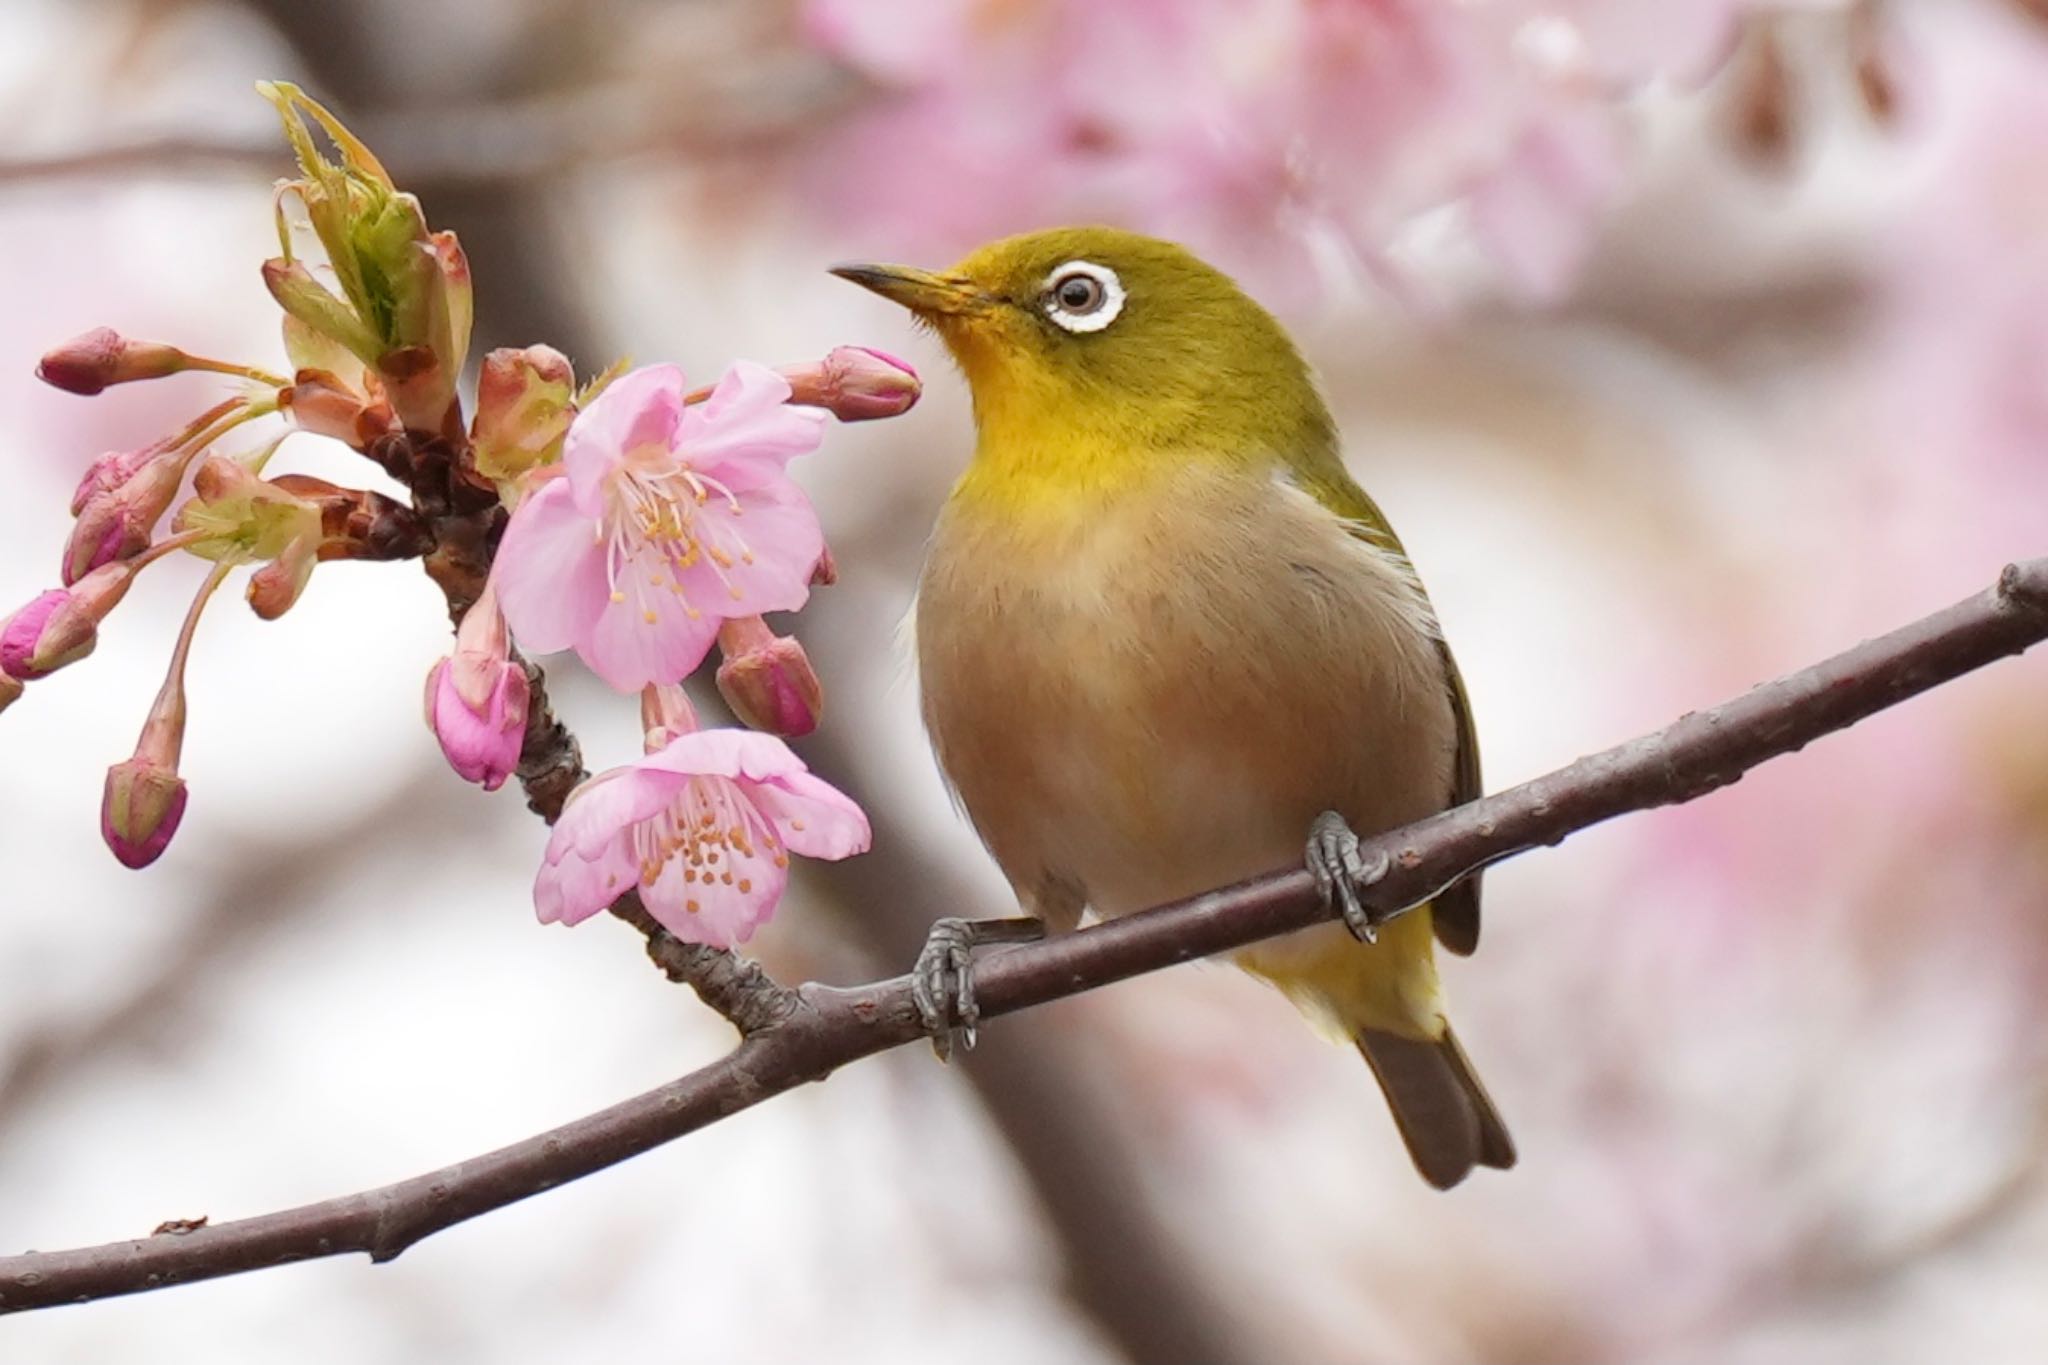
1164 639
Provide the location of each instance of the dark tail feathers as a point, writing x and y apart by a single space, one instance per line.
1439 1105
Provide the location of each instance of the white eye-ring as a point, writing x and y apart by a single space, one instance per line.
1082 296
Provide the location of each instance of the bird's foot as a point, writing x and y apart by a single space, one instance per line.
1337 862
942 982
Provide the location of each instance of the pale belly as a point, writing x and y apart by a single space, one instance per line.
1160 699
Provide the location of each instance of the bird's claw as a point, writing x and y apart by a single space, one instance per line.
942 982
1337 861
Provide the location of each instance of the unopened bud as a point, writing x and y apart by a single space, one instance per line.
856 384
275 587
10 690
110 470
477 699
460 295
116 523
91 362
140 809
665 712
61 626
145 797
525 399
767 679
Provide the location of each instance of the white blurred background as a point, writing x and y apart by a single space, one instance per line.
1683 352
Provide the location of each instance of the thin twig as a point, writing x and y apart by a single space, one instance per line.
508 142
830 1028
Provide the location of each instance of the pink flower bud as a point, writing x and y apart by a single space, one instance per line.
856 384
477 699
89 363
10 690
665 712
108 472
481 743
62 625
116 523
145 798
767 679
140 809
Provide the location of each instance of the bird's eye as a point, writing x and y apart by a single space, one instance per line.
1078 294
1082 296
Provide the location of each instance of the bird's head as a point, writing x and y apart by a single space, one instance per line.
1099 335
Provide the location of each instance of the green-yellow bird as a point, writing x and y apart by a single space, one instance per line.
1163 639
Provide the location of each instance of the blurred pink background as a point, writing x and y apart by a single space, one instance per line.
1682 350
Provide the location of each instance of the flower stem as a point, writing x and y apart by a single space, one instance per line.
204 420
200 362
166 546
241 411
164 732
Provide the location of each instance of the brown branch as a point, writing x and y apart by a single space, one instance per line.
827 1028
513 142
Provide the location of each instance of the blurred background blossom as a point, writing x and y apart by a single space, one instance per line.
1685 344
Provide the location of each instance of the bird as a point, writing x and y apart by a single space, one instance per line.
1165 642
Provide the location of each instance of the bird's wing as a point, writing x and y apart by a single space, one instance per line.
1456 911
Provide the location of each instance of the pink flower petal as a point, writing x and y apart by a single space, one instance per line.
607 804
574 889
640 408
770 545
745 433
712 909
743 754
550 571
812 816
647 636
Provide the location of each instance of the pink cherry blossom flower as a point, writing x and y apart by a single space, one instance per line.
477 699
703 827
671 518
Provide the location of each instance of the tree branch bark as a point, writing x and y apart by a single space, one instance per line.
828 1028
